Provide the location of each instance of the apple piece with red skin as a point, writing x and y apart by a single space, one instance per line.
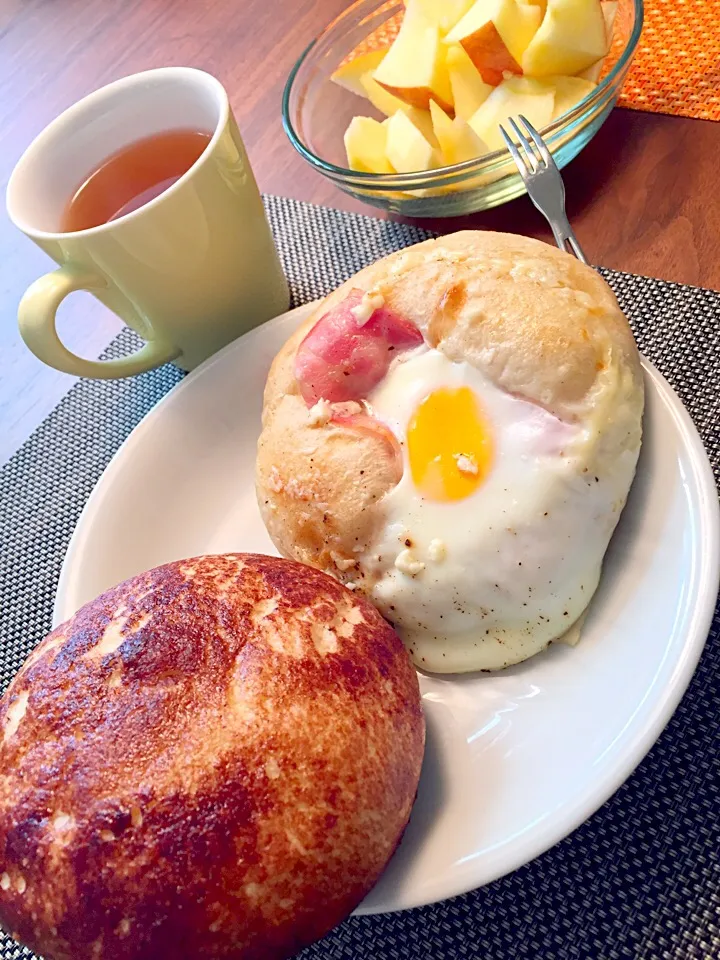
414 68
495 34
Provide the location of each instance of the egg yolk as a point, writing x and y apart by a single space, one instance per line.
450 446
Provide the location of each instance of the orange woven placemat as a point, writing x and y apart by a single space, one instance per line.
676 67
677 64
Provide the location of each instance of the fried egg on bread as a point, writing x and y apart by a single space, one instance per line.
454 433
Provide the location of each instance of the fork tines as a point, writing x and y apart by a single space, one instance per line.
533 161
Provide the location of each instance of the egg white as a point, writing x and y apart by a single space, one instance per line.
489 580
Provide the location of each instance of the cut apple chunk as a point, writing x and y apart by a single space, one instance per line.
490 54
571 37
423 121
568 92
350 75
514 96
366 145
469 90
458 141
379 97
609 9
495 35
407 149
414 68
592 73
536 3
445 13
388 104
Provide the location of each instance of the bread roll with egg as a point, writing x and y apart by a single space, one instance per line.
468 479
214 759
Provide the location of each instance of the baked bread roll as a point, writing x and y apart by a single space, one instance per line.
216 758
538 343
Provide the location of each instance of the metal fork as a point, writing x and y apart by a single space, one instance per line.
544 184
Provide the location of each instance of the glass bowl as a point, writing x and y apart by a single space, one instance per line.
316 113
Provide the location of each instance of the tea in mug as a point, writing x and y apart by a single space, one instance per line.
133 177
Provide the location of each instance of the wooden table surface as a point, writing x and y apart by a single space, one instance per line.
642 196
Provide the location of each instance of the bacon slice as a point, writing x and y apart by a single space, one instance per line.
343 359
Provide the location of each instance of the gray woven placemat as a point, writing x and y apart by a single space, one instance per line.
640 879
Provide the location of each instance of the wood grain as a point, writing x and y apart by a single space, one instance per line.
642 196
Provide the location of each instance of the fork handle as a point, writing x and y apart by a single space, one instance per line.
566 240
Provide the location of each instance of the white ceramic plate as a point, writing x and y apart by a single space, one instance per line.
515 760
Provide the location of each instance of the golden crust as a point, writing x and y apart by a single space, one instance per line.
213 759
534 320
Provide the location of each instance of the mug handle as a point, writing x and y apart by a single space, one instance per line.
37 322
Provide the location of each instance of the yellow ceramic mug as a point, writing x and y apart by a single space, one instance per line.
191 270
